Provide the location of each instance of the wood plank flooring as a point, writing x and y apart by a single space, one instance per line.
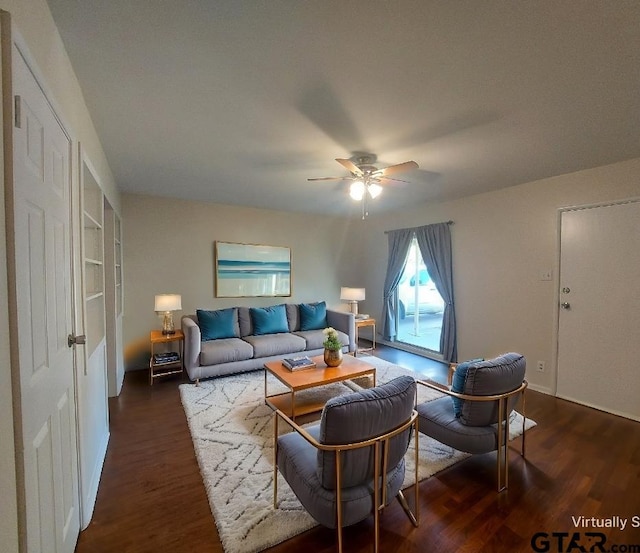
580 462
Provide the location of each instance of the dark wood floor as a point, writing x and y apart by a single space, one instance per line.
580 462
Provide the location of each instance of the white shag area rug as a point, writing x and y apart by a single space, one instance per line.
232 431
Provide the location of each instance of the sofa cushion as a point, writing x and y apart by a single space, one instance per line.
293 316
224 350
221 323
269 320
315 338
244 320
275 344
313 316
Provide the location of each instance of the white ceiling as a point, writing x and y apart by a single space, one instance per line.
239 102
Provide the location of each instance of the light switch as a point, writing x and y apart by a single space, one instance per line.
546 275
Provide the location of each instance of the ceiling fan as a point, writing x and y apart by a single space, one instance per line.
367 179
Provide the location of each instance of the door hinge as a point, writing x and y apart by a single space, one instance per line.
17 112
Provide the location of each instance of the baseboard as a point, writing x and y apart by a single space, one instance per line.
541 389
423 352
91 496
615 412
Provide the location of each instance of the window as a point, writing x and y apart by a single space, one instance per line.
420 307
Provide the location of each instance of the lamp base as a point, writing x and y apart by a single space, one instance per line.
353 307
167 324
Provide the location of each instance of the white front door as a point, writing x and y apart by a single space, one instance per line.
599 319
41 252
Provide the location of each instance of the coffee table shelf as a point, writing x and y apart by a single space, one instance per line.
282 402
320 375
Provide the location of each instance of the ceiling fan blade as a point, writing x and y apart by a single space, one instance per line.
394 180
394 169
328 178
350 166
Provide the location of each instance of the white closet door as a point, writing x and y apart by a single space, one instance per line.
599 317
42 258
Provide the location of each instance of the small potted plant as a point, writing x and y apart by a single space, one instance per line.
332 347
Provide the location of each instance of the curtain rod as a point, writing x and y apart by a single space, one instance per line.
414 228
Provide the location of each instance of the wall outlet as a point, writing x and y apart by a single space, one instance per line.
541 366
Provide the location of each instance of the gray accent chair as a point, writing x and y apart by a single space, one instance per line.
351 464
490 392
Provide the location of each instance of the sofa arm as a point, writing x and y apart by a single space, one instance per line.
345 322
192 339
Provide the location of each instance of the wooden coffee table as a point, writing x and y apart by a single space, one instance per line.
310 378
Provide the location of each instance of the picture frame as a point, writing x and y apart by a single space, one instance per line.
252 270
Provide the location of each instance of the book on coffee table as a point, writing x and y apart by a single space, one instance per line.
298 363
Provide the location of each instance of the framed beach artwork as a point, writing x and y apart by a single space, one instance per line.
248 270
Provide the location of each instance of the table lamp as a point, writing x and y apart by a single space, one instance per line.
165 304
352 296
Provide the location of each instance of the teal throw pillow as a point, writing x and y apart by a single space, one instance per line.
457 384
269 320
313 316
221 323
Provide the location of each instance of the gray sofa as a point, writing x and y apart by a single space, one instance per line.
245 348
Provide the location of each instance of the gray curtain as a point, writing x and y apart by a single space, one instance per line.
434 242
399 242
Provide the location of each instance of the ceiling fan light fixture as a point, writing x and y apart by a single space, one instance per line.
374 190
366 179
356 190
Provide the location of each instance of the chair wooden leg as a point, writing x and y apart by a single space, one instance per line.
376 495
275 461
338 501
502 452
503 467
524 419
414 518
405 506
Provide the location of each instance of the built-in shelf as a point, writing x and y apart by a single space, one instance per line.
117 247
93 248
102 288
90 222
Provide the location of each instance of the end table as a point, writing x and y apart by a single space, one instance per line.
159 369
360 323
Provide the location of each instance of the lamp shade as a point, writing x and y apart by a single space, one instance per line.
351 294
168 302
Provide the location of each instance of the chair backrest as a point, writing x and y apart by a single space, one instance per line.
492 377
362 416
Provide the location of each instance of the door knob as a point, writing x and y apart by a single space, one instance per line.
73 340
565 305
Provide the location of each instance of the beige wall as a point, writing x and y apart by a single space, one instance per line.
34 24
169 247
502 241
